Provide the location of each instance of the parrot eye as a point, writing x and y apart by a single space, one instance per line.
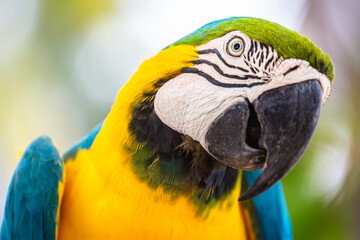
235 47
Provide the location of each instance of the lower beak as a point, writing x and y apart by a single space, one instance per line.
273 135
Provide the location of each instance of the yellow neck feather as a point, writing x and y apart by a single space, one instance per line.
114 133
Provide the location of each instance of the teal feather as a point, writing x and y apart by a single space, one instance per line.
32 201
271 210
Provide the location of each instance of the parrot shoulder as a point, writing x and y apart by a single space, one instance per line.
35 192
84 143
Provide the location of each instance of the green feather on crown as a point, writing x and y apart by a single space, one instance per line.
288 43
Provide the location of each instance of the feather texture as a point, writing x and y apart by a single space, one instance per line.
271 210
31 209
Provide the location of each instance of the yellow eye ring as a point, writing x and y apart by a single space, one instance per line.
235 47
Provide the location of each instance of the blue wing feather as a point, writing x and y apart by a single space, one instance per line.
84 143
271 209
32 201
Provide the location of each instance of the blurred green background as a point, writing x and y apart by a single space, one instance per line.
62 62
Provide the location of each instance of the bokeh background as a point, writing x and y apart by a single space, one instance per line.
62 62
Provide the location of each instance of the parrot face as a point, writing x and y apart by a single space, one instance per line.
248 106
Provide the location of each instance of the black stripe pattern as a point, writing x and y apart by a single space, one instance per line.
259 60
217 83
207 51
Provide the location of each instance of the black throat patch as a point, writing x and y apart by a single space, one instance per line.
164 157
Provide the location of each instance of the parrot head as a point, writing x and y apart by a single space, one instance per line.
243 91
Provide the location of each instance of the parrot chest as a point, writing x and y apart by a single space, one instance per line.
92 208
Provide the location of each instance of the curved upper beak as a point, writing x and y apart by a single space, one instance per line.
285 120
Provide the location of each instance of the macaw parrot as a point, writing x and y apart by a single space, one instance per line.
193 147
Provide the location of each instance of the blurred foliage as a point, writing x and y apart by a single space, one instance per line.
62 24
38 93
63 19
313 217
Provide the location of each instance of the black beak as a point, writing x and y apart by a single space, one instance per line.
282 125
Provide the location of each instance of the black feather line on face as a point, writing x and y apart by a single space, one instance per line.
164 157
250 49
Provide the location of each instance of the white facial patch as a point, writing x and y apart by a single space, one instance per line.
191 102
